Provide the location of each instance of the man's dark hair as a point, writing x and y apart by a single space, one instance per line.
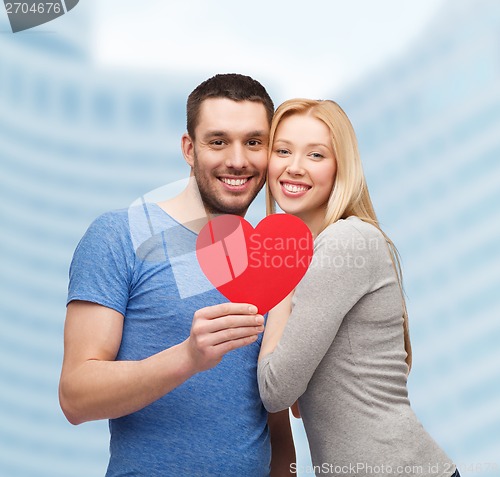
231 86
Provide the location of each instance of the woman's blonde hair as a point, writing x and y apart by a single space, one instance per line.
350 194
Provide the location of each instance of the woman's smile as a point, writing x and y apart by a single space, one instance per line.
294 189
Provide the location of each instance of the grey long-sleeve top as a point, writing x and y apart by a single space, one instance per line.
342 355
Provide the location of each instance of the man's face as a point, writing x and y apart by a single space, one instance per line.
230 154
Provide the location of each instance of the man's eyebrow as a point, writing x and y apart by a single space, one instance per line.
219 133
258 133
215 133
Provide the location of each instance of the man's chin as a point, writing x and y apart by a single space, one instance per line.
228 207
226 202
233 210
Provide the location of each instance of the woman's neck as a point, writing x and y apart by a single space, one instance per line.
314 220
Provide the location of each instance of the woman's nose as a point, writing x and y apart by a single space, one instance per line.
295 166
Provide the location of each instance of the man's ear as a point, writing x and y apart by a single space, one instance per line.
187 146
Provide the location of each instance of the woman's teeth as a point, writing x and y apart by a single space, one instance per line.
294 187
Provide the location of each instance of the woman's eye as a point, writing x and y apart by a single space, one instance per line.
316 155
282 151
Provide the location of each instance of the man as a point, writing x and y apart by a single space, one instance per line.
147 344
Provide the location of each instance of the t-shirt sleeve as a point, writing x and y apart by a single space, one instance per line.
339 275
101 269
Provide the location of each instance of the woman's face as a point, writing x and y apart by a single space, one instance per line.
302 167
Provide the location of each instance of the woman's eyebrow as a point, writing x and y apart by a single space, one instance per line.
318 144
312 144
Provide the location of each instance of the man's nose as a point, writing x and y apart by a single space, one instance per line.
237 157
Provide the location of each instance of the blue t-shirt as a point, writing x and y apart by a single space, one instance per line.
142 263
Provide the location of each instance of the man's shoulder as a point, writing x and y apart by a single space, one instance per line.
110 226
136 225
111 217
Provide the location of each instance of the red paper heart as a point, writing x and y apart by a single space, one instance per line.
260 266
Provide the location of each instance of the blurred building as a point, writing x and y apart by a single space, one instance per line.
76 141
428 126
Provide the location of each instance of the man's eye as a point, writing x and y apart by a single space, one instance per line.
254 142
217 142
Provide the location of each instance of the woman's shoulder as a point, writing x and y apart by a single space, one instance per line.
352 231
353 240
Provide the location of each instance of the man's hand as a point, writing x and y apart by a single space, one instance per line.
295 410
283 449
218 329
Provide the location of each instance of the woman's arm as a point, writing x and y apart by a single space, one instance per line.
338 277
276 322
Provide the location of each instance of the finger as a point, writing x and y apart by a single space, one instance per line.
227 346
224 309
232 334
202 329
227 322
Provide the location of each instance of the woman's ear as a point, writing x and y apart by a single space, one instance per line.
187 146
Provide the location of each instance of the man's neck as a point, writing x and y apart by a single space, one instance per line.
185 209
188 208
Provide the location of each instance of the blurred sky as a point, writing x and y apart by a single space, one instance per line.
305 51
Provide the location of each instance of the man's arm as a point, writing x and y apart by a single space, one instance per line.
94 386
282 447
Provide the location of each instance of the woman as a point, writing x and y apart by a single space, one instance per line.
345 351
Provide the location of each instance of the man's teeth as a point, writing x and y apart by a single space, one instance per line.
234 182
294 187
